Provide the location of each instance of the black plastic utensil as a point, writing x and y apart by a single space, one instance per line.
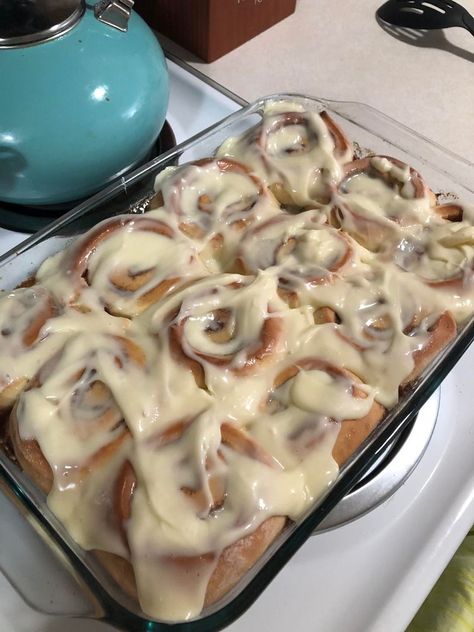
426 14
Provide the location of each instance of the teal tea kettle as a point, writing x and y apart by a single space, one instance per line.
83 97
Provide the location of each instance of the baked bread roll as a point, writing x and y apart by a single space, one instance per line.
305 249
129 262
298 154
212 201
378 198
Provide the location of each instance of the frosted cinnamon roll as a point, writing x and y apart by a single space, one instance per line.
213 201
442 256
76 399
379 197
129 262
297 153
326 403
414 340
232 323
24 339
435 331
199 460
304 252
385 328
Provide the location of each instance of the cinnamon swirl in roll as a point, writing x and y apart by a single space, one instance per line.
228 326
304 250
377 198
297 153
213 201
129 262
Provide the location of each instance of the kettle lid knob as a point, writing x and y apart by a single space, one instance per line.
115 13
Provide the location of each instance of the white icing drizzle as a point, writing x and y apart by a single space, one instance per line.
317 391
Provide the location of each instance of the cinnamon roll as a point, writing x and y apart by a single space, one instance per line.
297 153
129 262
202 491
436 332
386 328
324 399
73 398
304 252
213 201
377 198
443 257
232 324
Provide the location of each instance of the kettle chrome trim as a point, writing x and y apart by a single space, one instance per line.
44 35
115 13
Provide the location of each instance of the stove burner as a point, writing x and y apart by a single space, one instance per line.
389 472
29 219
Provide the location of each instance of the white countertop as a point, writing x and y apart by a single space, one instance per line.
336 50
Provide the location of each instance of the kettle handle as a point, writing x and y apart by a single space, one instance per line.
115 13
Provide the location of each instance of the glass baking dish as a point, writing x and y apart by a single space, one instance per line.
446 173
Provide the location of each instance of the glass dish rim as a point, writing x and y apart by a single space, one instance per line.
120 185
394 422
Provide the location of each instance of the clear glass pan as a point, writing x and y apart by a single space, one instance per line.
445 172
